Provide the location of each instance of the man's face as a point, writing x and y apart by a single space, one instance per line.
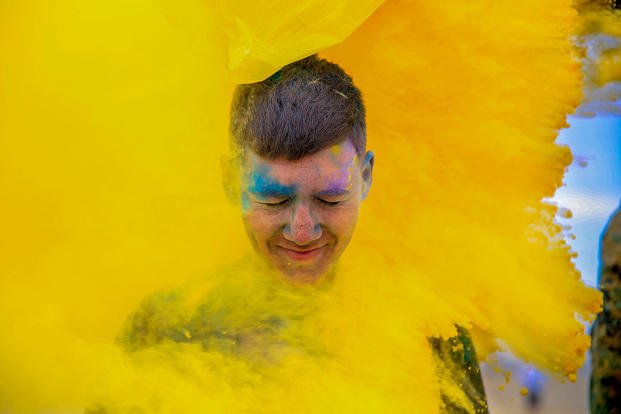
300 215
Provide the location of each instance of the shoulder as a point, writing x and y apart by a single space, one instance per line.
158 317
611 241
219 304
166 315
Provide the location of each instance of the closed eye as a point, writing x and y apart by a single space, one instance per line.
329 203
277 203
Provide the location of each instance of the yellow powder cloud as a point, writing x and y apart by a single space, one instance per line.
113 121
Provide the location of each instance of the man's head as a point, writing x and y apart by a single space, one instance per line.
301 139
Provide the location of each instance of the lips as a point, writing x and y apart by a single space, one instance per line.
301 254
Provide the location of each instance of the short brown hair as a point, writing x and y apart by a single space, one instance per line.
305 107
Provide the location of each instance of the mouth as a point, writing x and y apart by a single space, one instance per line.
302 254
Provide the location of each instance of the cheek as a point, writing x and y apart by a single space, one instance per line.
262 224
341 221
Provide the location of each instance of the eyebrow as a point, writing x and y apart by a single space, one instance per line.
333 191
265 186
273 191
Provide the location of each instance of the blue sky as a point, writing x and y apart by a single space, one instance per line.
593 185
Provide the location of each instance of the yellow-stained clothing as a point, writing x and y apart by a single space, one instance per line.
259 322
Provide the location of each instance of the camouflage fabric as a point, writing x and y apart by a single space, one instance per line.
606 331
461 384
582 5
456 357
162 317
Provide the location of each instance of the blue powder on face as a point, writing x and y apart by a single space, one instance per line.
264 186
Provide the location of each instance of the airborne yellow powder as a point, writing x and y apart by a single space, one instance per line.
113 119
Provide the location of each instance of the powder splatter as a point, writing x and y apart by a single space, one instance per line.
111 190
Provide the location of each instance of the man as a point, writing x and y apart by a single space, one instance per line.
606 331
300 138
299 171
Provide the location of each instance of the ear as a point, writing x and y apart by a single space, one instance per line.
367 173
231 177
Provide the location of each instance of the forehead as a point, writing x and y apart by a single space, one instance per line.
333 163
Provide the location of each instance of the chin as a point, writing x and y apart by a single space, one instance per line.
304 277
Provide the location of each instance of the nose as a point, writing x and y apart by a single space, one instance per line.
302 229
